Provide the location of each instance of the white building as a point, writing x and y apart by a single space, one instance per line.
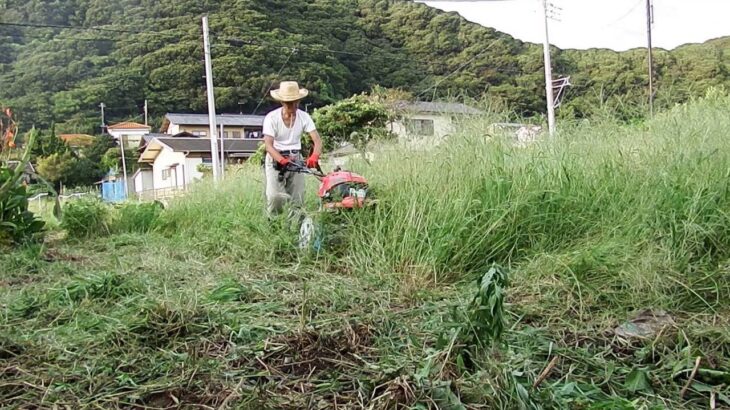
128 133
172 163
233 125
425 120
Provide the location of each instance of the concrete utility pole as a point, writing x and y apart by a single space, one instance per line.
548 73
145 112
548 68
649 22
124 167
211 104
103 123
223 150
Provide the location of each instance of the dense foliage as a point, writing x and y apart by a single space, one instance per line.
153 50
17 223
58 164
357 119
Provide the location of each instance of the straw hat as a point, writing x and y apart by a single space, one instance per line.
289 91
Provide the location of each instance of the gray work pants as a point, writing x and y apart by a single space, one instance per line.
278 193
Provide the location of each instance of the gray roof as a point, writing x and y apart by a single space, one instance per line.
203 144
438 107
149 137
239 120
13 164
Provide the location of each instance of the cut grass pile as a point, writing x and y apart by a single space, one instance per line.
207 305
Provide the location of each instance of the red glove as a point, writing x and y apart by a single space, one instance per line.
313 161
284 161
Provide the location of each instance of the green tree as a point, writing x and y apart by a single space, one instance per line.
56 167
47 144
358 120
112 159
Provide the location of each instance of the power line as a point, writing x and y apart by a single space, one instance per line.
458 69
318 47
322 48
272 83
60 26
628 13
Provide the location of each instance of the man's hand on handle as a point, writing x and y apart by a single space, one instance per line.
284 162
313 161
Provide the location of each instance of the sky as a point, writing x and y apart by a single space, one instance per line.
616 24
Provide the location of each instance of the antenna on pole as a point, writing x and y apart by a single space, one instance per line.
649 22
548 73
103 122
213 131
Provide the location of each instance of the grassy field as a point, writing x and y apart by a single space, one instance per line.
207 305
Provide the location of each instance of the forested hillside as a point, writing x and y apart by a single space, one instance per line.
152 49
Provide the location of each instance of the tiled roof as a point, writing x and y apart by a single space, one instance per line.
239 120
77 139
203 144
128 125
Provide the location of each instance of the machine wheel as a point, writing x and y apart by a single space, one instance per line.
307 231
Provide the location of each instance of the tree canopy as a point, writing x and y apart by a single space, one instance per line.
132 50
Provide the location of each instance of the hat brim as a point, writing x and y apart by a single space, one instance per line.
289 98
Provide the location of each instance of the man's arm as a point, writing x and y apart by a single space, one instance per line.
269 142
317 141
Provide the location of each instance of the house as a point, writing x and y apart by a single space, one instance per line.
28 173
419 120
77 141
172 163
128 133
235 126
523 134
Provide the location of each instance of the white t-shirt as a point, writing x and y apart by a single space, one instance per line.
286 139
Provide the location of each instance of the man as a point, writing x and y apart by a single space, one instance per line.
283 129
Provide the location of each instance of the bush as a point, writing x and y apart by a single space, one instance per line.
17 223
86 218
259 156
140 218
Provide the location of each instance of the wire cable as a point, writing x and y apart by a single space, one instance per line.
272 83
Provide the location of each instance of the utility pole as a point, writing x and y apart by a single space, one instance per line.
649 22
548 73
223 158
145 112
548 68
124 167
211 103
103 123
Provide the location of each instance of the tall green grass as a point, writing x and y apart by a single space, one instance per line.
619 211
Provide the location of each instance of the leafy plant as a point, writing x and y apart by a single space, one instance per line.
258 157
17 223
139 218
86 218
487 312
358 120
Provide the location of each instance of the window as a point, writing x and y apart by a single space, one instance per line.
254 135
165 174
200 133
236 134
207 161
420 127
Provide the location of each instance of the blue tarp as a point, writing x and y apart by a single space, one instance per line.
113 191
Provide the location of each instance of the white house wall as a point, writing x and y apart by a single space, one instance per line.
191 166
131 137
143 180
442 125
173 129
164 160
